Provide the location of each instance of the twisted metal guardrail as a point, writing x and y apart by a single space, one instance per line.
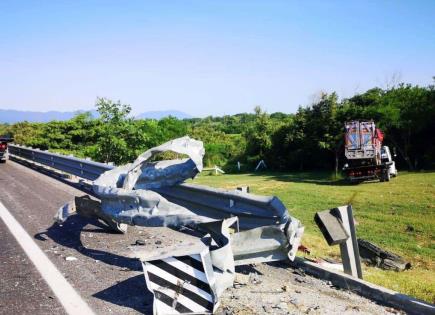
265 231
252 210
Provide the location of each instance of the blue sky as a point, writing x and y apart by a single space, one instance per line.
208 57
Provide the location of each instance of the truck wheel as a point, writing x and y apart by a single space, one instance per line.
353 181
387 176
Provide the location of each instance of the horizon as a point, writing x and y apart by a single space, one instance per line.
208 59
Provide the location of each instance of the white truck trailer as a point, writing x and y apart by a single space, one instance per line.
366 158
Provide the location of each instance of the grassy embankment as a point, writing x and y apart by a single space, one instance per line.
398 215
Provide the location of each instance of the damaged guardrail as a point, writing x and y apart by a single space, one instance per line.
233 227
252 210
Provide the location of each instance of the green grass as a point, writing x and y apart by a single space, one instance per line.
382 211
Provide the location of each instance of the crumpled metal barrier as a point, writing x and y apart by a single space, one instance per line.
88 208
252 210
125 191
152 193
266 228
191 278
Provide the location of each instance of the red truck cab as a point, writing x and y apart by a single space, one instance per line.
4 148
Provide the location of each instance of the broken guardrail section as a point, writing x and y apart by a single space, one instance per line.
235 227
338 227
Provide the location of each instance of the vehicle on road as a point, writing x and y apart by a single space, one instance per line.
366 157
4 148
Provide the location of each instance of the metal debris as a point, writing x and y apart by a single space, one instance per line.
376 256
235 227
70 258
191 279
125 190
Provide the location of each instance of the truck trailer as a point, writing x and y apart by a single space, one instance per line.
366 157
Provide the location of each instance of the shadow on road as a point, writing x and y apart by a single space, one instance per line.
132 292
68 235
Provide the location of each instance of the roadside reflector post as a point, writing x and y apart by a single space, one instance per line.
338 228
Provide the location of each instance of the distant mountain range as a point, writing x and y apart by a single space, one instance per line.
12 116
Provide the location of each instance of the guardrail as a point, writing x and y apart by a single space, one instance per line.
252 210
265 230
80 167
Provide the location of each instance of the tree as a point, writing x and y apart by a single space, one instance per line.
113 131
258 136
322 132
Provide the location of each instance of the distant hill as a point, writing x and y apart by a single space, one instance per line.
12 116
162 114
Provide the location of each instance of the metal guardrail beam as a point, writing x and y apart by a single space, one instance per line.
80 167
252 210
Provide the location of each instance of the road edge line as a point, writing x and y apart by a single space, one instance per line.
65 293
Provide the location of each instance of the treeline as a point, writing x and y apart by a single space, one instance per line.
312 138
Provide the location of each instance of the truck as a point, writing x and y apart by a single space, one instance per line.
366 157
4 148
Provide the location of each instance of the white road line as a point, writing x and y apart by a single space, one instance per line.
68 297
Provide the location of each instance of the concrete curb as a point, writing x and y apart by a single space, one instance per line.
366 289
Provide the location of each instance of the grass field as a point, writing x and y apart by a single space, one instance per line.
398 215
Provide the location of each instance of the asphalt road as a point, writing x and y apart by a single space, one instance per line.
106 275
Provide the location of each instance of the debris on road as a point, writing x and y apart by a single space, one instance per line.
70 258
302 248
376 256
140 242
191 279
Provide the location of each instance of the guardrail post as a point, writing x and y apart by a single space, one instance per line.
338 227
349 249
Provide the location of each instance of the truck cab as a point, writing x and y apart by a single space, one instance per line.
4 149
387 159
